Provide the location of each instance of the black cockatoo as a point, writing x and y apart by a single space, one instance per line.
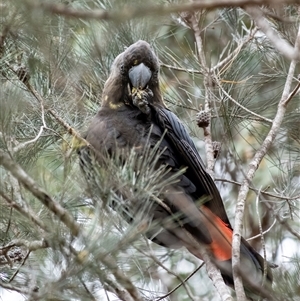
133 115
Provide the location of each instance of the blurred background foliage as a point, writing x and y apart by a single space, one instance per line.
67 60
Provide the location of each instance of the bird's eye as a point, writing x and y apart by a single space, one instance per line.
122 69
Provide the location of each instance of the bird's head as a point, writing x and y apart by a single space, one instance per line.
140 66
134 79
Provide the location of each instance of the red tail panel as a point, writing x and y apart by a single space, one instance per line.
221 235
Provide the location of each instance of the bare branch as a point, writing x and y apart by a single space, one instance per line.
130 12
215 275
23 145
17 171
29 245
263 232
284 222
253 166
278 42
124 280
27 212
292 94
181 69
182 283
117 289
282 197
193 23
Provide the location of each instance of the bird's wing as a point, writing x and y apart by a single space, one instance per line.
184 146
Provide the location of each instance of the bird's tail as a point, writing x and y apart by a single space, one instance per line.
255 271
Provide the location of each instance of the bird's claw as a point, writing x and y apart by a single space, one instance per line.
140 98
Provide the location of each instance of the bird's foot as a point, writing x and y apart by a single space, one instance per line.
140 98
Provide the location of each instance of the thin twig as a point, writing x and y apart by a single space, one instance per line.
69 129
253 166
234 54
124 280
263 232
180 284
283 222
242 107
113 286
17 171
159 263
87 290
213 272
278 42
208 86
29 245
278 218
193 71
292 94
27 212
44 126
23 145
262 192
18 269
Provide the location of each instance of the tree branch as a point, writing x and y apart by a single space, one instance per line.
27 212
278 42
262 192
29 245
193 22
182 283
130 12
253 166
17 171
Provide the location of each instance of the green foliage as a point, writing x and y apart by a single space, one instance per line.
67 60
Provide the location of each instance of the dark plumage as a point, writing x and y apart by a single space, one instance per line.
133 114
